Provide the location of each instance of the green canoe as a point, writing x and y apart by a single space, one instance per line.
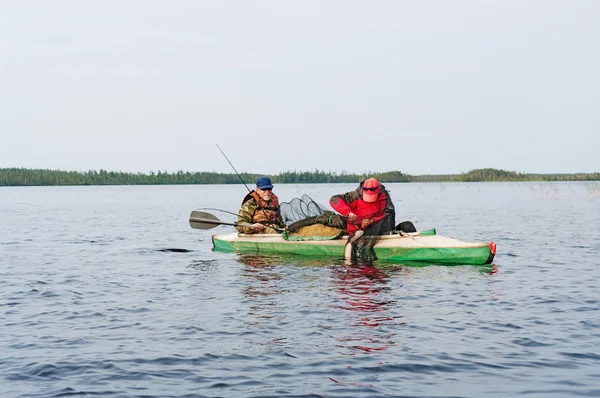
396 248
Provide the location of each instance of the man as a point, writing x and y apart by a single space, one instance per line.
260 209
368 206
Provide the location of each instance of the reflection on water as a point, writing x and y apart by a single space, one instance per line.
362 290
368 313
262 271
360 287
365 315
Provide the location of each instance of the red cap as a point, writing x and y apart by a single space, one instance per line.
371 189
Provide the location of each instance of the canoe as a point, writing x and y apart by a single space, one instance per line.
396 248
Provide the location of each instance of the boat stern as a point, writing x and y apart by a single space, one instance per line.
492 253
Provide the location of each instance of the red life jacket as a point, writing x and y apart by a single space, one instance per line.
266 211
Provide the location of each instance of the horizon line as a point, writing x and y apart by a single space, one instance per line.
344 172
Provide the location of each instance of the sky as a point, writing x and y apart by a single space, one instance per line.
424 87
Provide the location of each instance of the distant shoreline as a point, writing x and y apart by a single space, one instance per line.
45 177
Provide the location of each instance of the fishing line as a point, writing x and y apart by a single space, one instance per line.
238 174
221 210
272 225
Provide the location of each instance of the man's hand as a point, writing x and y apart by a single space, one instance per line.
366 222
257 227
351 217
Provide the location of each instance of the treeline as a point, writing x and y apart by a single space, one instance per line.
38 177
30 177
319 177
492 175
41 177
503 175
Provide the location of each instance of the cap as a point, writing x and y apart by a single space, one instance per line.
371 189
264 183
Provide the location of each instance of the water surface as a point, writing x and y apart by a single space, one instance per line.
107 291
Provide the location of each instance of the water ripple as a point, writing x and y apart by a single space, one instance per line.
122 310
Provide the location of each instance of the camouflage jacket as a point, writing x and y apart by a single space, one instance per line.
255 210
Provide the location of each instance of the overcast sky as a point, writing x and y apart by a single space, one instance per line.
425 87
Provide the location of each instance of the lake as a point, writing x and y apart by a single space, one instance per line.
106 291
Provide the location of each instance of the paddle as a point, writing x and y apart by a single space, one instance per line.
204 220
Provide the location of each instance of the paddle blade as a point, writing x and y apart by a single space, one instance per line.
203 220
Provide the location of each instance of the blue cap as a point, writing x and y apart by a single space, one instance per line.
264 183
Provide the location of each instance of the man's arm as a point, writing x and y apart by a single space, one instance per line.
245 216
340 202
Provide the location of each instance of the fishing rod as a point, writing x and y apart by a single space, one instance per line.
238 174
272 225
221 210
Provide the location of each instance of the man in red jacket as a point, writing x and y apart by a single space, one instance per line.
368 206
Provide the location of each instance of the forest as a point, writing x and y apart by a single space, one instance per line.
44 177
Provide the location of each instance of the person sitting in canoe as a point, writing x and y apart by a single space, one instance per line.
260 208
368 205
